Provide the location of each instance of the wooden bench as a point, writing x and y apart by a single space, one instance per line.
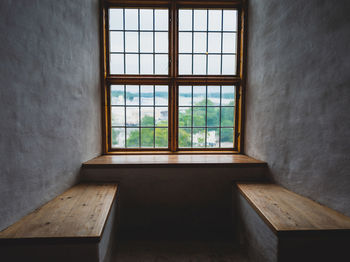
75 226
279 225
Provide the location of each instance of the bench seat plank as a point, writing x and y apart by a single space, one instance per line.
284 210
81 212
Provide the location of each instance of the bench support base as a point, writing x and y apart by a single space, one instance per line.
265 245
58 250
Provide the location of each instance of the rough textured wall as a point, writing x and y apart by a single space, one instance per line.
298 96
49 99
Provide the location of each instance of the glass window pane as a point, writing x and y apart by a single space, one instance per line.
228 96
161 19
147 118
214 64
146 19
116 41
116 64
200 20
213 116
132 64
118 137
161 95
213 95
227 116
161 64
185 64
132 95
199 64
117 95
131 42
185 19
199 116
161 116
132 116
146 42
116 19
200 42
147 137
185 137
132 137
214 42
161 137
161 42
185 42
118 116
146 64
131 19
185 95
229 44
198 137
199 95
230 20
214 20
147 95
226 138
185 117
213 137
228 64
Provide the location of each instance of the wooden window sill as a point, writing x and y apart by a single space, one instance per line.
110 161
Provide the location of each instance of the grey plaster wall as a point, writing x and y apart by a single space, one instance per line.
49 99
298 96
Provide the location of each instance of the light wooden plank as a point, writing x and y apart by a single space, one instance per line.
80 212
229 159
284 210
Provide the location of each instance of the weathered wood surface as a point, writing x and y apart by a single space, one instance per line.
116 160
285 211
80 212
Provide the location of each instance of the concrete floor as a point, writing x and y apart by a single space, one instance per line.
130 251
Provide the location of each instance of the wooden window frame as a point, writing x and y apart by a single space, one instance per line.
173 79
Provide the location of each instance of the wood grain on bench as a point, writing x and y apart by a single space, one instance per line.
286 211
80 212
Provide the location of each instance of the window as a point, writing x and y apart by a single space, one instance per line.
173 76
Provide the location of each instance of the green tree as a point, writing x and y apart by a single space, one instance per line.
133 138
147 121
199 114
185 137
161 137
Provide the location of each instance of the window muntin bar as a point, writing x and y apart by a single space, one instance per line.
206 116
139 116
212 33
138 39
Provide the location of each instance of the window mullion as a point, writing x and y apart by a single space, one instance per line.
192 40
173 46
124 42
139 40
222 39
